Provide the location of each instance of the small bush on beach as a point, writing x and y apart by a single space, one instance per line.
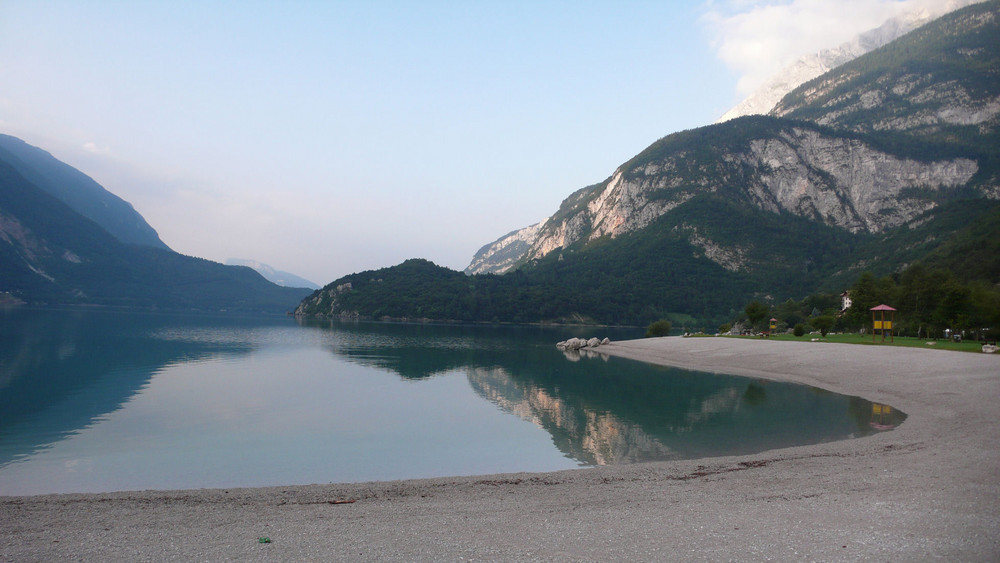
659 328
723 329
799 329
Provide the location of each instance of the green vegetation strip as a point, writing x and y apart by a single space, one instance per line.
854 338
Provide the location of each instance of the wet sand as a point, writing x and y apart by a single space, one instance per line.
929 489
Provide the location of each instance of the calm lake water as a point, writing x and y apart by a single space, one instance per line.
96 401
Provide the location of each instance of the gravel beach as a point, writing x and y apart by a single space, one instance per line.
927 490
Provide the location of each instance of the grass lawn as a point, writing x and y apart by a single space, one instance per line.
854 338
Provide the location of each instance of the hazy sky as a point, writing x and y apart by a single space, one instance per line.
326 138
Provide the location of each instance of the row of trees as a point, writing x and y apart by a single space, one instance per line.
928 301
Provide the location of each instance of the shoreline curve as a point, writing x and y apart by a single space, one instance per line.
928 489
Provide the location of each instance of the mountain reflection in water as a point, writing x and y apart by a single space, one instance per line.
601 410
592 437
109 400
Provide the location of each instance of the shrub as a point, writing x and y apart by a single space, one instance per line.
725 328
799 329
659 328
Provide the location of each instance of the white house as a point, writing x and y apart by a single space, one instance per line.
845 301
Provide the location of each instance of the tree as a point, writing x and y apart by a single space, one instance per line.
756 312
822 323
918 295
985 299
866 293
799 329
790 312
954 309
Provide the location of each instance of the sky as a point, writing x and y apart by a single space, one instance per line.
328 138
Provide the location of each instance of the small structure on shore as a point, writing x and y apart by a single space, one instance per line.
879 324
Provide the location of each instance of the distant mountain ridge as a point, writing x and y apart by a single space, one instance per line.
52 254
284 279
880 163
79 191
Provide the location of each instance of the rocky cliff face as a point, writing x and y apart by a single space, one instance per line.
504 253
838 181
845 183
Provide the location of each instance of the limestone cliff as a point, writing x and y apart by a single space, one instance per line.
503 254
797 169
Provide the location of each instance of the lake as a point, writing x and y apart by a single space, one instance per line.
95 400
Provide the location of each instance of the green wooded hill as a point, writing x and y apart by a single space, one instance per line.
51 254
880 164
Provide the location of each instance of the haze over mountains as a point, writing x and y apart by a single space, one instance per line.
78 191
65 240
273 275
884 161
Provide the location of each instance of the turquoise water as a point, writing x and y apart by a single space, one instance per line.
96 401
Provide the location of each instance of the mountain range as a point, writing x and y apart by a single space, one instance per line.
940 105
273 275
886 160
65 240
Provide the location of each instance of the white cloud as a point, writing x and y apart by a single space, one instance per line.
757 39
93 148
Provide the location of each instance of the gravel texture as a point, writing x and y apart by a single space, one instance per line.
928 490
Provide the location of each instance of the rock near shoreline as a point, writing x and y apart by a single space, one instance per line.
578 343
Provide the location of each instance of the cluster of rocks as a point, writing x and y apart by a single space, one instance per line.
578 343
